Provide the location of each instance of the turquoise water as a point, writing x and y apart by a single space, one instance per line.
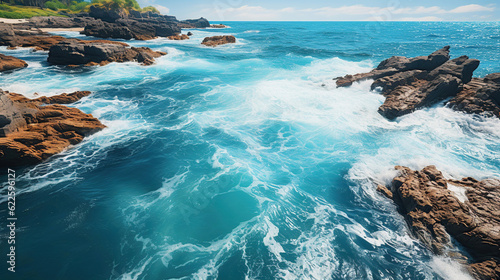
244 161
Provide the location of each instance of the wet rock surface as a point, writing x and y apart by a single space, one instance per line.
99 52
218 40
413 83
8 63
438 209
32 131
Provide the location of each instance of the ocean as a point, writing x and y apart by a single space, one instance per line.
245 161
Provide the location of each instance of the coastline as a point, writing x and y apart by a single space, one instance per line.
386 84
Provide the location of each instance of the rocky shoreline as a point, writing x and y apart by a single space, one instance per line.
439 210
32 130
413 83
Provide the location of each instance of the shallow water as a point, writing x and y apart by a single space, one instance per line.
244 161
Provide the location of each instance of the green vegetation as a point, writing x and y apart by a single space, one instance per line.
32 8
117 4
12 11
150 9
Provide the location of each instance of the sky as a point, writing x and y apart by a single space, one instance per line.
324 10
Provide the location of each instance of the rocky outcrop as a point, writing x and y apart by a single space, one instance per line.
179 37
59 22
130 25
11 63
17 36
218 26
218 40
98 52
31 133
479 96
195 23
412 83
438 209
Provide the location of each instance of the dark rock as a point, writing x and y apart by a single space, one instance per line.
460 67
130 25
189 33
98 52
218 40
11 63
107 15
59 22
413 83
128 28
195 23
102 29
479 96
435 213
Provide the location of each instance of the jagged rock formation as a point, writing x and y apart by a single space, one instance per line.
31 133
16 36
466 210
58 22
195 23
479 96
136 25
412 83
218 40
11 63
99 52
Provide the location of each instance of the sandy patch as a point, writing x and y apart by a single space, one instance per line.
77 29
13 20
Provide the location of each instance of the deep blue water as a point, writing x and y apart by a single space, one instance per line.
244 161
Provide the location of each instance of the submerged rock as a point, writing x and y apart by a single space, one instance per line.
412 83
179 37
31 133
218 40
99 52
11 63
218 26
466 210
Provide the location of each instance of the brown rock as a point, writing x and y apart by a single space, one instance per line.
479 96
179 37
412 83
384 191
435 213
34 132
11 63
218 40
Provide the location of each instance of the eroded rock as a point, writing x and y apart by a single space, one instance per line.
413 83
33 133
435 213
99 52
218 40
11 63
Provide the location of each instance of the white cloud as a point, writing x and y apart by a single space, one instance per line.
163 10
472 8
429 18
353 12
